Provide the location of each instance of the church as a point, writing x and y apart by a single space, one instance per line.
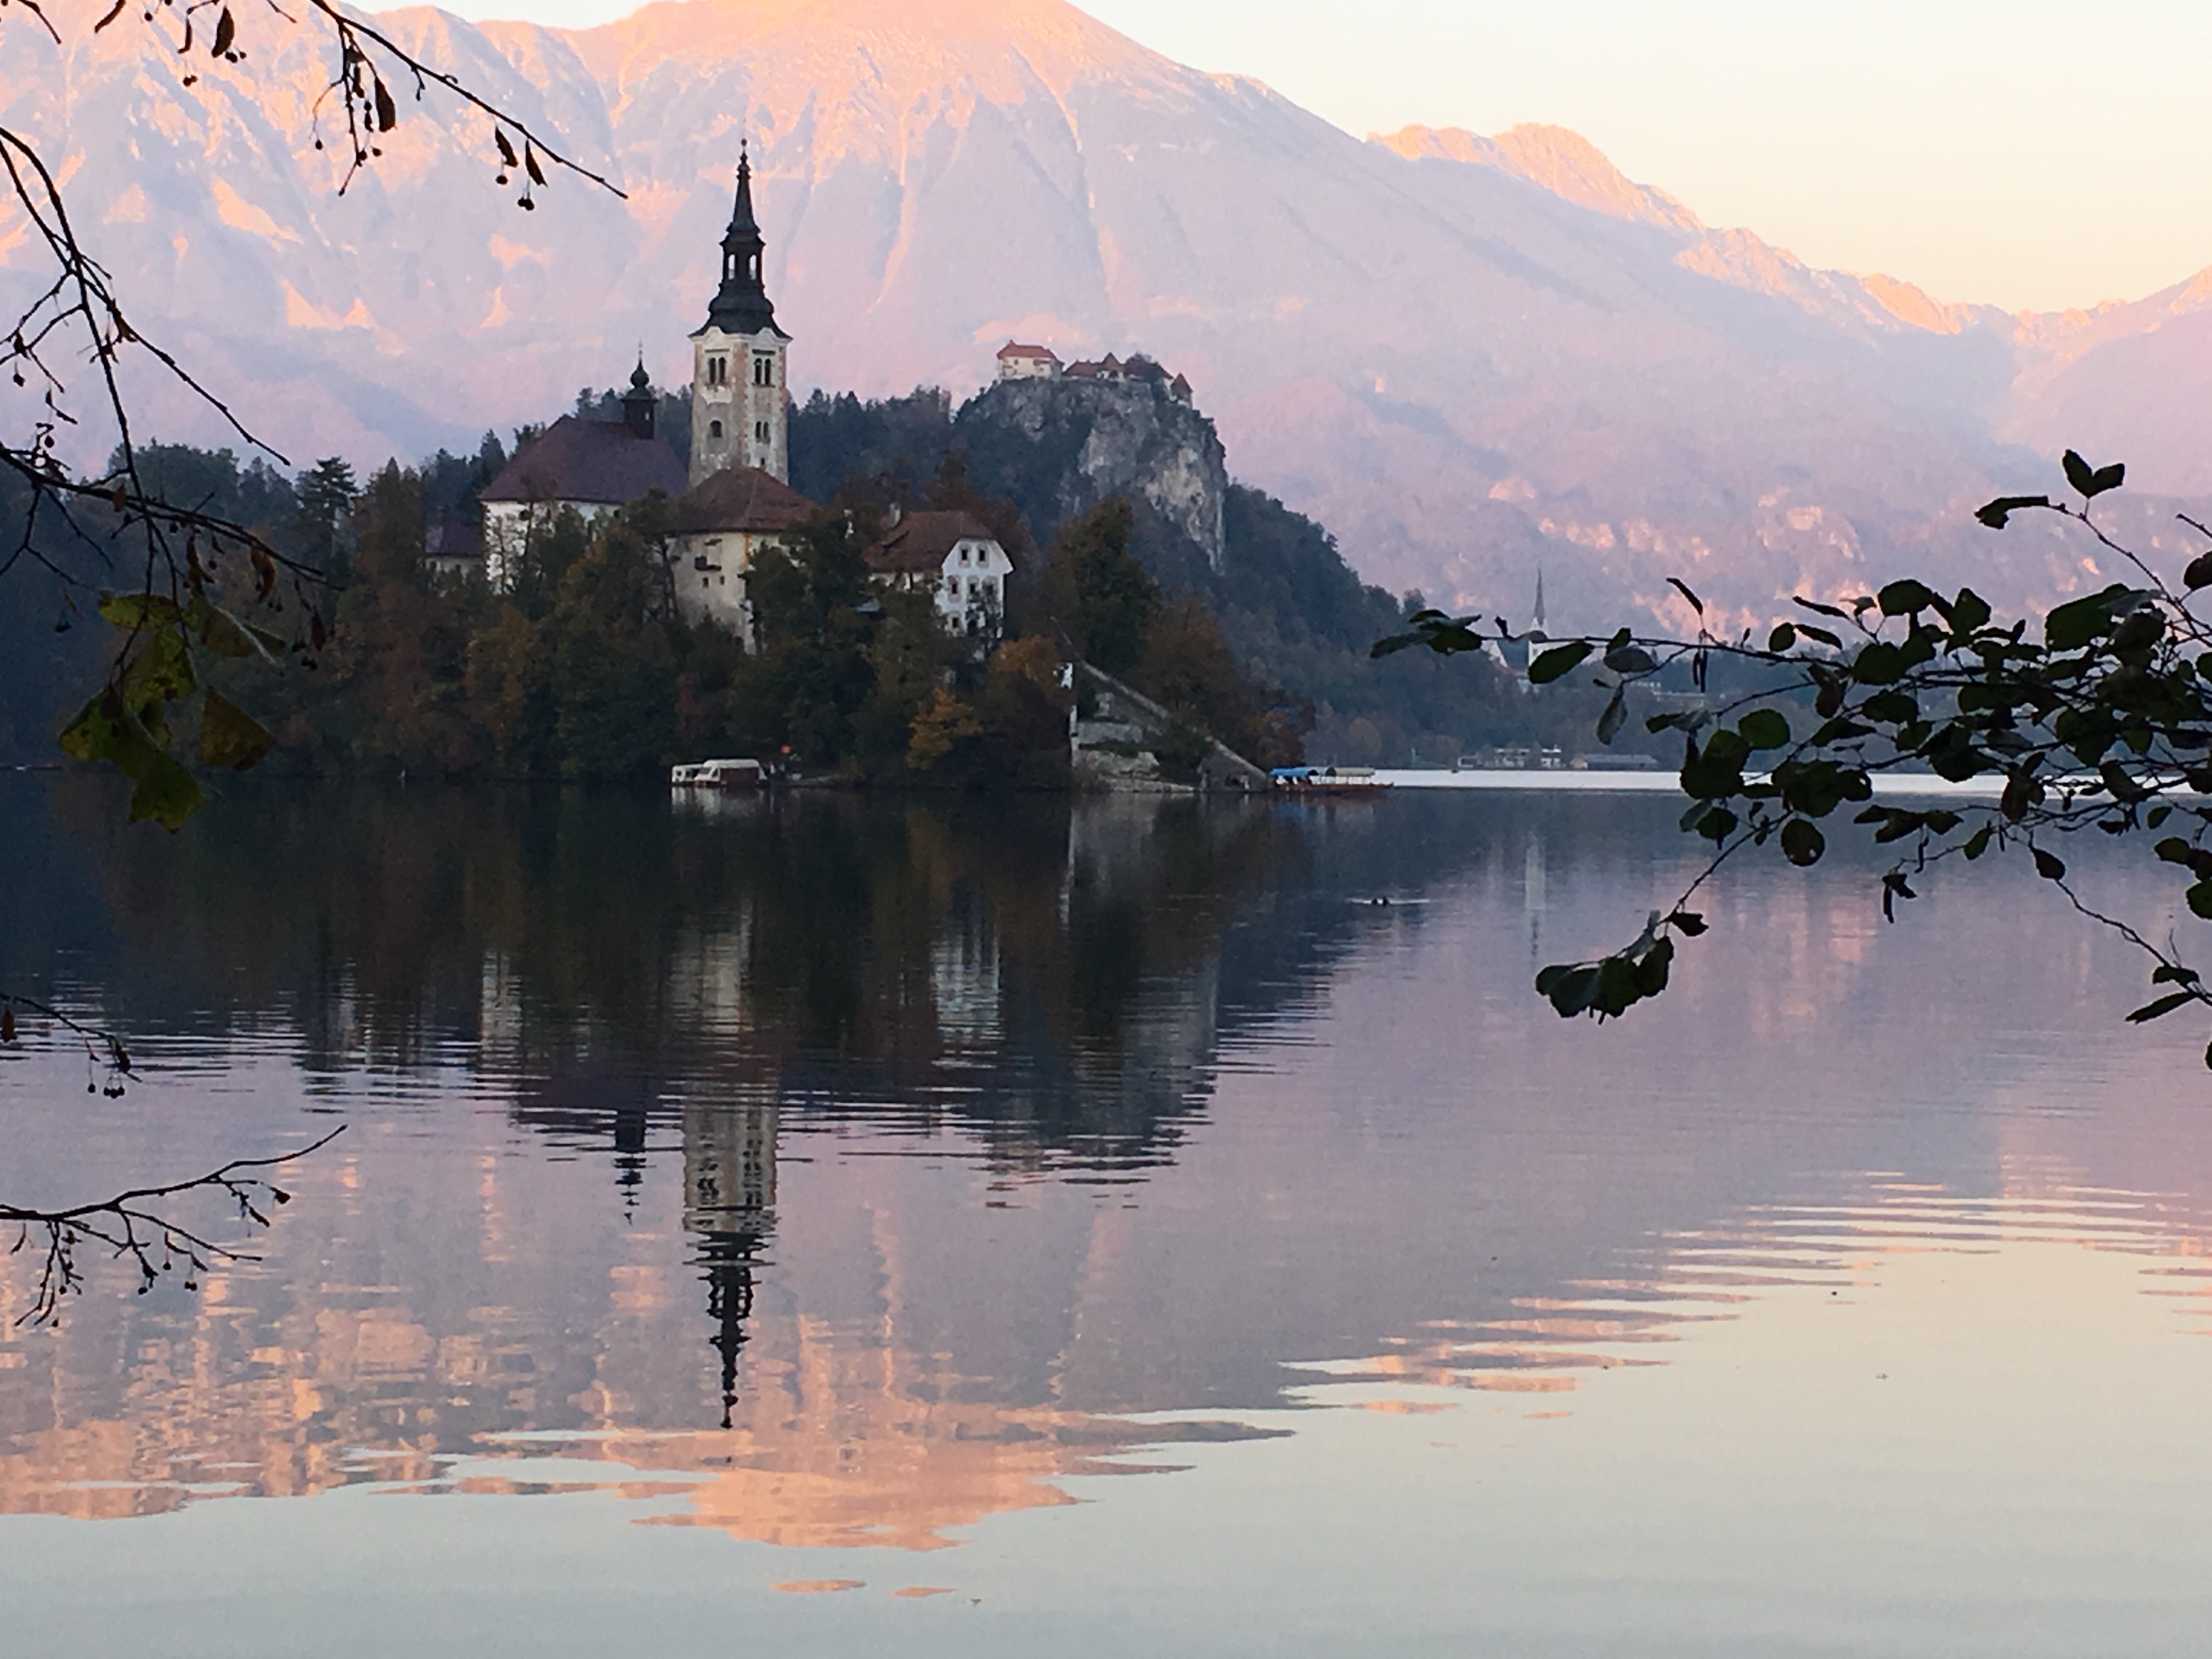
736 500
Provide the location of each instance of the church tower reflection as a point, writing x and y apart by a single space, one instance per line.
729 1202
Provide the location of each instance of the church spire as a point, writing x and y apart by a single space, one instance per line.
741 305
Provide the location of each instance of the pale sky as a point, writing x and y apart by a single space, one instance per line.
2024 153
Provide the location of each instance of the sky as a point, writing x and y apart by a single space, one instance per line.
2029 154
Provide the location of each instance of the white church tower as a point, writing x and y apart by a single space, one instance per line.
738 385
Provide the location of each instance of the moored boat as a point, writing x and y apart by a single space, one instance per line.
1328 780
718 775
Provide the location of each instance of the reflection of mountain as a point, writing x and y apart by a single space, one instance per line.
880 1213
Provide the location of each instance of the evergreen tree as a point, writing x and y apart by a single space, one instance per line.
1095 589
326 493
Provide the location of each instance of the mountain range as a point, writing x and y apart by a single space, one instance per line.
1470 357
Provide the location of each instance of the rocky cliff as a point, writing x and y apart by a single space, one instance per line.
1061 446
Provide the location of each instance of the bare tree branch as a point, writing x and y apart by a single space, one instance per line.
131 1225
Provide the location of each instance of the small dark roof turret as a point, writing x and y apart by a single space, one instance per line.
741 305
638 402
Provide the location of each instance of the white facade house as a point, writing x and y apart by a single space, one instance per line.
954 557
740 381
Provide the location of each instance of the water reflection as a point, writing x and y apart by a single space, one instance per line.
835 1175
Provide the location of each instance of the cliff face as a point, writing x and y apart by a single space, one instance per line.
1060 447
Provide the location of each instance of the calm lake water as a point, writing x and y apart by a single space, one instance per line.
823 1226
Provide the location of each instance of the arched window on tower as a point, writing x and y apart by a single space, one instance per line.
713 428
763 368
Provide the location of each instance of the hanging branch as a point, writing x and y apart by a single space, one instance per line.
194 572
130 1225
2105 724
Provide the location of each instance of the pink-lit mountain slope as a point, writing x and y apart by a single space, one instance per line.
1467 357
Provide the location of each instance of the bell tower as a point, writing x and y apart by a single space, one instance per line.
739 390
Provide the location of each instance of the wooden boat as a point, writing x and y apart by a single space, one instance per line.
718 775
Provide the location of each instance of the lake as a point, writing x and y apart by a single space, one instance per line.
824 1224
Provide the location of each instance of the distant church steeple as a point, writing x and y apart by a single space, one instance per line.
739 384
741 305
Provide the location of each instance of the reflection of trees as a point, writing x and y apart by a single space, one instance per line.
141 1225
1042 974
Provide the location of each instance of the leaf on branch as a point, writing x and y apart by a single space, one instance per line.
1686 922
225 33
1903 599
1994 514
1783 636
1894 887
506 150
1560 660
530 164
2048 866
2199 572
2075 623
1610 722
1802 842
229 736
1683 588
1765 728
387 113
2164 1005
1878 663
1630 659
2091 481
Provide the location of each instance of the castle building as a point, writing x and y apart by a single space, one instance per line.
1018 361
739 386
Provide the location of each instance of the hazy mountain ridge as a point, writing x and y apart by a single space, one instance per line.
1465 356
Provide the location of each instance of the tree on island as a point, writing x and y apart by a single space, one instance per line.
2104 724
199 586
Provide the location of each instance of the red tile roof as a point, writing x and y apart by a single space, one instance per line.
1015 349
919 541
603 462
741 498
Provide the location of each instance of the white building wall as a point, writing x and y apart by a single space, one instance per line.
508 526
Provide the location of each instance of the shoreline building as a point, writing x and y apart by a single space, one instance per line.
590 468
740 357
954 557
719 528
